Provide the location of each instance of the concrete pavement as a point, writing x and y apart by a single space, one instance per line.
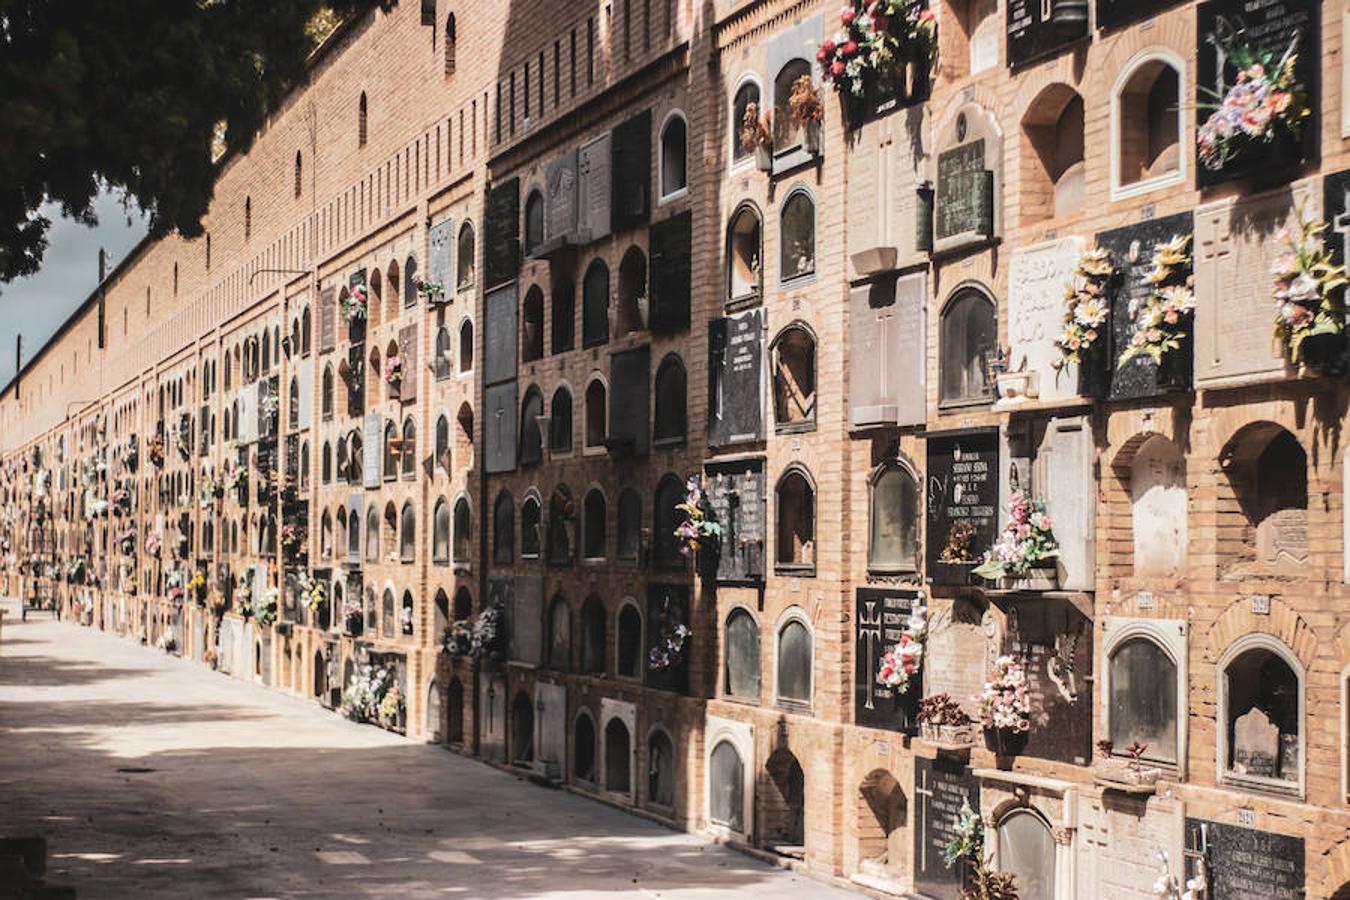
155 777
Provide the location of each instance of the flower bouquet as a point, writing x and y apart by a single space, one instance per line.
393 371
967 849
942 721
355 304
373 695
807 112
121 501
314 594
875 41
236 478
487 633
668 651
154 542
1005 708
1025 545
1127 773
697 525
457 640
154 450
901 663
405 619
1163 323
1308 292
1087 312
430 292
265 610
292 537
126 540
757 136
1264 105
351 614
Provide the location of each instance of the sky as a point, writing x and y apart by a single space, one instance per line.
37 305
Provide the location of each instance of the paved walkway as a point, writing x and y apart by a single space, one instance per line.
155 777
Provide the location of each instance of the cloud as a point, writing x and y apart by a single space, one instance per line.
37 305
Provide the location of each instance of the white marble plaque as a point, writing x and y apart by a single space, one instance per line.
1236 240
1038 277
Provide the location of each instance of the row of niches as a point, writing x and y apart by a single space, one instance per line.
343 461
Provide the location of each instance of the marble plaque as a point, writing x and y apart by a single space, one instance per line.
881 619
735 491
523 598
1271 26
1246 864
940 790
968 190
441 246
964 639
1038 278
371 460
561 185
1118 13
1236 240
501 309
886 335
667 607
1053 459
736 379
593 187
882 220
1033 32
1131 250
1053 639
962 503
499 427
501 229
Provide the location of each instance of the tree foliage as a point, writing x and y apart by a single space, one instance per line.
131 95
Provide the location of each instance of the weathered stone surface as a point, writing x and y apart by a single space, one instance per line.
1038 277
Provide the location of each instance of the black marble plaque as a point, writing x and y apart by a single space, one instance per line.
1131 250
631 171
735 379
1246 864
962 206
502 232
1336 212
629 402
736 494
962 503
940 789
672 273
881 618
327 320
1037 29
668 606
1053 638
499 334
1271 26
1115 13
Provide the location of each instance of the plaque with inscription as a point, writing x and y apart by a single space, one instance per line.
668 607
441 245
593 199
886 334
561 184
1266 27
735 379
1117 13
735 492
1037 279
1131 251
1037 29
963 498
1246 864
327 320
964 199
940 790
499 427
881 618
500 309
1053 638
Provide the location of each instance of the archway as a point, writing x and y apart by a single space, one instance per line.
881 811
783 804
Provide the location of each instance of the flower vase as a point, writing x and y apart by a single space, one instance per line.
1005 741
1175 370
1094 373
764 158
811 137
1035 578
356 330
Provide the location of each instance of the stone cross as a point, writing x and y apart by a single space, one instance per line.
925 795
869 632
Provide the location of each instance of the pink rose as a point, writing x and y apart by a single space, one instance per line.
836 68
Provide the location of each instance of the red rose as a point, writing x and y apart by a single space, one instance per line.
847 16
828 45
879 24
820 56
837 68
849 49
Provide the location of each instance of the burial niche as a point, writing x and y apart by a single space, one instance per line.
1268 471
1157 474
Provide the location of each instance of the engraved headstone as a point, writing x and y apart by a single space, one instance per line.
1117 13
962 503
1053 638
593 187
886 335
440 267
1236 240
941 789
501 310
499 427
968 192
1283 537
1246 864
561 185
881 619
1038 277
327 319
1037 29
1132 249
1256 744
736 379
735 491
